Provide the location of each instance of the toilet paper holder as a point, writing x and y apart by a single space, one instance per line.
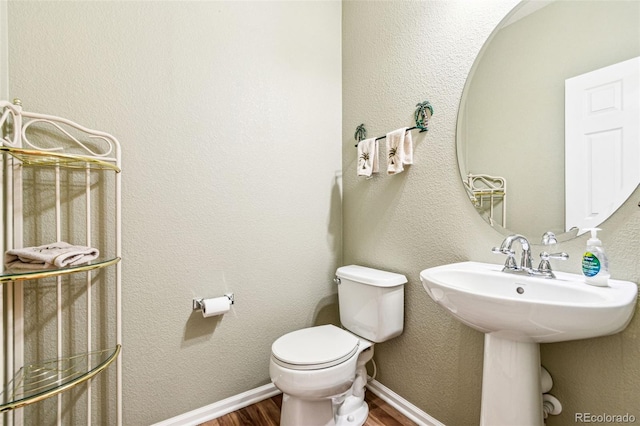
197 303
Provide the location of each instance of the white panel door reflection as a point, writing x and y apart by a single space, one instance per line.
602 142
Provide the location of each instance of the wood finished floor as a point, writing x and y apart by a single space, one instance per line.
267 413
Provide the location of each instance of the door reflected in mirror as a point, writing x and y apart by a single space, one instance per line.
511 122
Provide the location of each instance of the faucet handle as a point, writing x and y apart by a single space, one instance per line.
510 263
503 250
545 267
546 256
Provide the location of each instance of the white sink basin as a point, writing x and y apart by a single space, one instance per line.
530 309
517 313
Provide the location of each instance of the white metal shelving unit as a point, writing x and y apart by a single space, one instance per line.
486 192
60 165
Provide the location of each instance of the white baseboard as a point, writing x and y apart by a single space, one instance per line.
237 402
402 405
220 408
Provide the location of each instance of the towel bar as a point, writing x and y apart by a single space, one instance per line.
420 116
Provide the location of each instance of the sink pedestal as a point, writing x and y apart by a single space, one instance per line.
511 389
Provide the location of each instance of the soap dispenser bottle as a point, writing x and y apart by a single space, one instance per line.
595 265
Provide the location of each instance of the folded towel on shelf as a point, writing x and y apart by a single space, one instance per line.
367 157
399 150
49 256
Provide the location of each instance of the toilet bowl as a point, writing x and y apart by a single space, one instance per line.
321 370
316 366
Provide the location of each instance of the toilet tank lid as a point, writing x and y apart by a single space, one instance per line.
374 277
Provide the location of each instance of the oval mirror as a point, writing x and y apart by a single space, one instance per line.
532 157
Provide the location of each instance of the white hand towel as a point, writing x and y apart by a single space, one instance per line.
56 255
367 157
408 148
399 150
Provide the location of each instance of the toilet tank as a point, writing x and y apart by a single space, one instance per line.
371 302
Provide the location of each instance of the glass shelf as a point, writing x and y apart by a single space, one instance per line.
30 157
35 382
30 274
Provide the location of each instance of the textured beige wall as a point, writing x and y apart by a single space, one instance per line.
396 54
229 115
249 91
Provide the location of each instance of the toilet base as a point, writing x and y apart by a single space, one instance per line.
356 417
320 413
353 410
314 412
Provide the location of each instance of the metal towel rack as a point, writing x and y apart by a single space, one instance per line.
420 116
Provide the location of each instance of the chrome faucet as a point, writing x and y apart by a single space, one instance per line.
510 264
526 268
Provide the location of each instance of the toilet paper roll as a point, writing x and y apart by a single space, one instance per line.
215 306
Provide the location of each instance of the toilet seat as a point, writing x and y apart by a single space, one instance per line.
314 348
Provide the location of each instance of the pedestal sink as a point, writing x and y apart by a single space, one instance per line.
517 313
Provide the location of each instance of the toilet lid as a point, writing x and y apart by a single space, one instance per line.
315 347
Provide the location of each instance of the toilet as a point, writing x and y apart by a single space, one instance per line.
321 370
